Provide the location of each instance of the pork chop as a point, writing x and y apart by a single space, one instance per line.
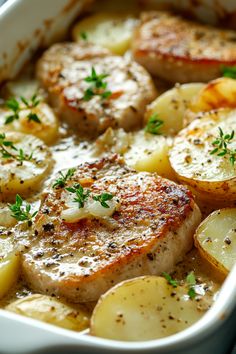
149 232
179 50
119 100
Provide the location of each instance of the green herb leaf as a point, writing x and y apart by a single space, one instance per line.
21 212
192 293
84 35
154 124
33 117
32 102
191 282
106 94
16 108
81 194
229 71
103 198
13 104
6 143
98 86
62 180
170 280
190 279
221 146
88 94
6 154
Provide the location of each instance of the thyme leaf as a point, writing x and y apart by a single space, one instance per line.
81 194
98 86
14 105
103 198
6 145
221 148
61 181
20 211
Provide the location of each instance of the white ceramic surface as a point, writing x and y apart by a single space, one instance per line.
26 24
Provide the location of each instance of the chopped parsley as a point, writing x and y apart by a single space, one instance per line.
98 86
154 124
221 146
21 212
6 145
81 194
16 107
170 280
229 71
103 198
191 282
61 181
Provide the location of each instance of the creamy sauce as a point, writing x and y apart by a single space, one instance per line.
70 151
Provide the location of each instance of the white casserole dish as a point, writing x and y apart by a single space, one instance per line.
26 24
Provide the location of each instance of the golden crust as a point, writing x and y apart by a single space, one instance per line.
63 69
79 253
193 52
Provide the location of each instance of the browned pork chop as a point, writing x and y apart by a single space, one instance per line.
63 70
179 50
150 231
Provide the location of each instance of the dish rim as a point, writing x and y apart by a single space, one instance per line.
210 322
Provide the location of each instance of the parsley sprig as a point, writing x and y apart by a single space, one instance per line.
98 86
103 198
191 282
154 124
229 71
61 181
16 107
221 146
6 145
81 194
22 212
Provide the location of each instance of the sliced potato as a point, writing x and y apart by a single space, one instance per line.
171 106
6 220
149 153
110 30
46 130
141 150
21 88
112 141
211 175
143 308
219 93
23 177
9 266
216 239
48 309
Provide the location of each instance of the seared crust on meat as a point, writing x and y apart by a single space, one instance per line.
62 71
179 50
151 231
